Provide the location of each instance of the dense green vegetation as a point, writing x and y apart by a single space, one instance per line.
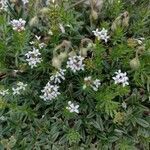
92 57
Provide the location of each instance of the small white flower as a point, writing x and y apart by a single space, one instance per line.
33 57
50 92
121 78
101 34
16 91
50 32
72 107
62 28
88 79
140 40
49 1
18 25
124 105
94 84
3 5
58 76
75 63
2 118
25 1
38 37
19 88
32 42
4 92
41 45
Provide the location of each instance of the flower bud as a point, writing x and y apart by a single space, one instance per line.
94 15
34 21
56 62
83 52
44 10
135 63
62 56
132 42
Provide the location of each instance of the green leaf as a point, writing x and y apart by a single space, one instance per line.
142 122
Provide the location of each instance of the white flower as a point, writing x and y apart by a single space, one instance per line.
75 63
16 91
18 25
96 33
140 40
2 118
33 57
19 88
101 34
41 45
3 5
62 28
96 84
92 83
25 1
124 105
72 107
38 37
32 42
50 92
88 79
58 76
121 78
49 1
4 92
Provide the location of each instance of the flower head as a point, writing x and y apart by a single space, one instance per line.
58 76
19 88
50 92
4 92
25 1
33 57
121 78
72 107
75 63
94 84
41 45
18 25
3 5
101 34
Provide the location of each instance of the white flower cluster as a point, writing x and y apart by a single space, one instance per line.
50 92
75 63
4 92
33 57
19 88
40 45
3 5
58 76
18 25
3 118
49 1
101 35
121 78
92 83
25 1
124 105
72 107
